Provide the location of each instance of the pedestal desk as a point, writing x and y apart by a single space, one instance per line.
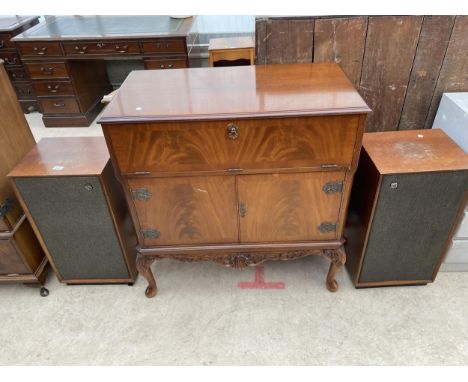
237 165
10 26
65 58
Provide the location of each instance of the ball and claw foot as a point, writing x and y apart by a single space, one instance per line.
44 292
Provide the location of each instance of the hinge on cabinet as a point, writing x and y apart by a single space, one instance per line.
327 227
332 187
141 194
150 233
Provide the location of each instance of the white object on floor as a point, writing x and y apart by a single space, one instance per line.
452 117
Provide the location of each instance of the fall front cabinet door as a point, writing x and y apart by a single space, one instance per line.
243 208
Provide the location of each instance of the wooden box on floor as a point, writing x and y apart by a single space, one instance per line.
76 207
408 195
21 257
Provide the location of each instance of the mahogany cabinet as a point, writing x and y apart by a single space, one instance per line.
21 257
237 165
10 26
409 192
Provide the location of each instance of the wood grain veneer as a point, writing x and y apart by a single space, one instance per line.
261 143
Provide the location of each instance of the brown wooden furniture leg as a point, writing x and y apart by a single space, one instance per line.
337 258
143 264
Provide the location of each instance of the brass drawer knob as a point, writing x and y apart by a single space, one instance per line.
232 131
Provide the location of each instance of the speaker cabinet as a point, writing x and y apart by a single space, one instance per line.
408 195
68 189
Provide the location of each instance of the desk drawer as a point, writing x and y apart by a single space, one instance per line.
5 42
17 73
54 88
47 70
24 90
10 58
308 142
39 49
59 105
101 48
164 46
166 64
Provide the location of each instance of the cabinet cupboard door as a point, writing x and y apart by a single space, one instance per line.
288 207
186 210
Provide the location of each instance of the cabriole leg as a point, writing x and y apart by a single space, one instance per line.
143 264
337 259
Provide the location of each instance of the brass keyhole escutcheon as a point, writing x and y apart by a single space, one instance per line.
242 209
232 131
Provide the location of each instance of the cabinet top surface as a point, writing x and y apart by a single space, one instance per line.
399 152
64 157
9 23
105 27
234 92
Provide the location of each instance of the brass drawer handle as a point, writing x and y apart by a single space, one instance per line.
8 62
170 66
162 66
242 209
49 71
232 131
53 89
121 49
42 51
81 50
19 76
61 104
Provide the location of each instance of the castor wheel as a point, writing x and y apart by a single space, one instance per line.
44 292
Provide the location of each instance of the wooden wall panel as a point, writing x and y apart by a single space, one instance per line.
289 40
401 65
260 41
390 48
432 45
453 75
341 40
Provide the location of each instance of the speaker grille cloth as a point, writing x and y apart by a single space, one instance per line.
76 226
411 225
